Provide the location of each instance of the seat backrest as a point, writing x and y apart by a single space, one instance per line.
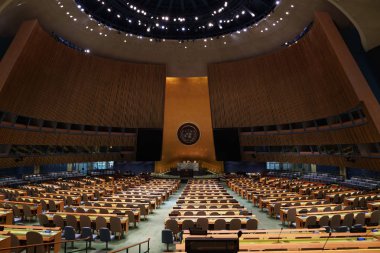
33 237
375 217
235 224
52 206
202 223
15 242
335 221
201 213
84 221
100 223
220 224
360 219
71 220
58 221
91 210
292 214
131 216
324 221
187 224
27 211
80 210
172 224
69 209
348 220
311 221
43 220
188 213
115 224
251 224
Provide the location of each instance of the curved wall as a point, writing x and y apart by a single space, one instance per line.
303 82
43 78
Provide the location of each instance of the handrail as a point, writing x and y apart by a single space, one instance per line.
131 246
45 244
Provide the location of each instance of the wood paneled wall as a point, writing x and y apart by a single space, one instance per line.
20 137
48 80
303 82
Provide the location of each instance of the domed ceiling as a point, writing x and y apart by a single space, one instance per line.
184 53
180 19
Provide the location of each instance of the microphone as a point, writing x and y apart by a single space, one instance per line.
323 249
279 235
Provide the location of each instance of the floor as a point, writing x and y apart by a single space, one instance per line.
151 228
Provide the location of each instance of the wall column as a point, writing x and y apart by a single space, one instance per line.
36 169
343 172
313 168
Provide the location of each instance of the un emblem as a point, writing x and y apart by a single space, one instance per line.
188 133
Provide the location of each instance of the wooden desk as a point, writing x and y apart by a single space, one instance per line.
210 206
312 202
301 219
5 242
374 205
348 201
6 216
285 244
121 210
76 198
212 219
20 232
284 210
59 203
34 207
124 219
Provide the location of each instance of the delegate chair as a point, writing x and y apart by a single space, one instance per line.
71 221
335 221
58 221
33 237
69 234
86 232
220 224
15 242
84 221
105 236
360 219
187 224
100 222
251 224
324 221
167 237
348 220
375 218
27 212
52 206
311 222
116 228
202 223
235 224
291 216
173 226
43 220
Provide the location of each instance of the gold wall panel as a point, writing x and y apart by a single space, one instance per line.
187 101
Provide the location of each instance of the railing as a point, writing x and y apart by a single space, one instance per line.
131 246
49 244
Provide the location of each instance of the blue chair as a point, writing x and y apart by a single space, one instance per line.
167 237
70 234
105 236
86 232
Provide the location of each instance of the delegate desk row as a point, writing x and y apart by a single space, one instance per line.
291 239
